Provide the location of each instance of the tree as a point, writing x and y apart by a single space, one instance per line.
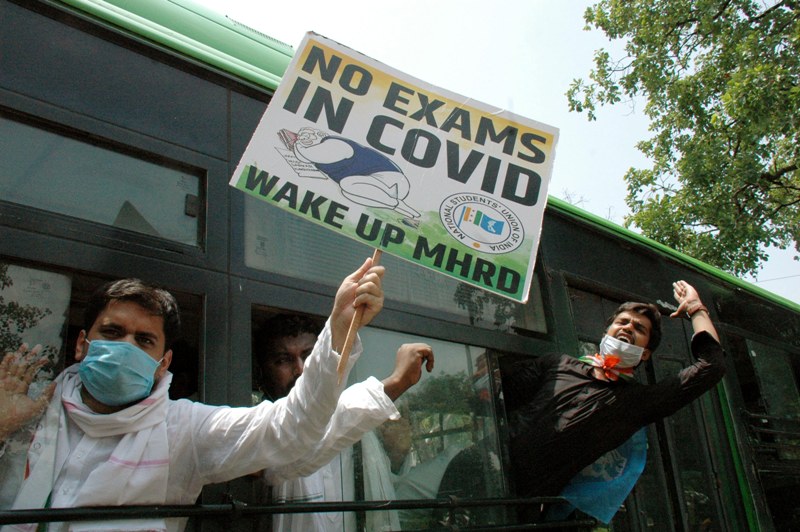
721 81
477 302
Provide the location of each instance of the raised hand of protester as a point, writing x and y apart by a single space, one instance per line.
361 288
17 371
689 304
408 368
687 297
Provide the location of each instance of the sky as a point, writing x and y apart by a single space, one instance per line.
519 55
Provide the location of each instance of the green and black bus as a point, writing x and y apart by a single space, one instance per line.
121 123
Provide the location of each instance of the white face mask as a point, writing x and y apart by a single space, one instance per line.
629 355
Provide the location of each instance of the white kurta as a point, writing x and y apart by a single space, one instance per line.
329 472
204 444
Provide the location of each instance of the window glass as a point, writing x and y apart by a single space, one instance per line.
690 453
279 242
590 312
33 309
742 310
446 443
649 504
774 425
776 380
66 176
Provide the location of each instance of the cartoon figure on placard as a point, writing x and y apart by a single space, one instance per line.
365 176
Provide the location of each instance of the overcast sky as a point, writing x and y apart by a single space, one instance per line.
519 55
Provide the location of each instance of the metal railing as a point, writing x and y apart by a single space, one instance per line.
236 510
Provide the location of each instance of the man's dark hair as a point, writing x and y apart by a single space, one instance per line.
155 300
282 326
648 310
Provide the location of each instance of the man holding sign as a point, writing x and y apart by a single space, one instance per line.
281 346
111 436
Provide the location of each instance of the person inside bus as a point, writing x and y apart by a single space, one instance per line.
111 436
565 413
281 346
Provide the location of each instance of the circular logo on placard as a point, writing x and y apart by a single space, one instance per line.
481 222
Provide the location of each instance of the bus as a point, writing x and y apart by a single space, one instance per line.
120 125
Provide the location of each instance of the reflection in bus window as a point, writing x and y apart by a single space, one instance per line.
446 443
41 169
33 307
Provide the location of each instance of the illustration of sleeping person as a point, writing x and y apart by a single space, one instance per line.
365 176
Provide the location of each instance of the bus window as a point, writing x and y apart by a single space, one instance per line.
45 306
41 169
698 489
775 376
446 443
768 382
270 244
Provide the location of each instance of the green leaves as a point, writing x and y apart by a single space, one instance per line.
722 83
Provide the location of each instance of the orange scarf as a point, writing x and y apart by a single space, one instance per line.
605 367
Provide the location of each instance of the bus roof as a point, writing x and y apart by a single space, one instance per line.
555 204
200 33
257 58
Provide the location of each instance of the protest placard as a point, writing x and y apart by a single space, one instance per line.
417 171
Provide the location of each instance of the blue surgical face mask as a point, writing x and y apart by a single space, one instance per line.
117 373
629 355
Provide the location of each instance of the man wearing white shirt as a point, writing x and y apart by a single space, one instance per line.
111 435
282 346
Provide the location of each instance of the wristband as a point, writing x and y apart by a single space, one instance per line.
692 310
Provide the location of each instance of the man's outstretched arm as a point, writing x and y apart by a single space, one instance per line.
362 407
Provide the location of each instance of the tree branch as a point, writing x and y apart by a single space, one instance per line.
722 8
785 3
782 206
772 177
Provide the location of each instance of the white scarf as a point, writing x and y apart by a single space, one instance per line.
136 472
378 483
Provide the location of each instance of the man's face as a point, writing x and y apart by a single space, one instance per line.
283 363
632 328
126 321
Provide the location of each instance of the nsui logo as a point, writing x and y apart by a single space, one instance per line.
481 222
